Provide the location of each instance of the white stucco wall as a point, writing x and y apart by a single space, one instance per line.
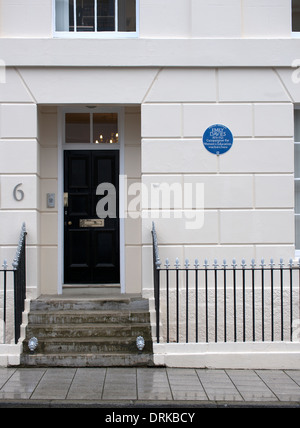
166 18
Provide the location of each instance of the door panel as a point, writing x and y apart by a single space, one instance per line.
91 249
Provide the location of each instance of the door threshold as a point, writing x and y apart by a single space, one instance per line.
85 286
89 290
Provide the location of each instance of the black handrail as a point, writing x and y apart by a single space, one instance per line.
19 281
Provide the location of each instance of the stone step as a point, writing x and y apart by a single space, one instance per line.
105 359
80 317
86 330
96 304
89 345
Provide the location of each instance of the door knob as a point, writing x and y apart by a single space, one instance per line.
69 223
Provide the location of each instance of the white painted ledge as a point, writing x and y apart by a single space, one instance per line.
10 355
150 52
258 355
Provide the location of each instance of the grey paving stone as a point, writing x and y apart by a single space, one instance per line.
250 386
285 388
21 384
120 384
218 386
55 384
185 385
153 384
87 384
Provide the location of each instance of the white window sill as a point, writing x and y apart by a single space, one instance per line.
95 35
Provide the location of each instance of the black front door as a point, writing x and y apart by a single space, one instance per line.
91 244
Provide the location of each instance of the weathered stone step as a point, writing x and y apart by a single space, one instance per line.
97 304
80 317
88 332
42 331
89 345
116 359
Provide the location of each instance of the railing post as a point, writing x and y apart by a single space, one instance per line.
206 298
5 266
156 277
197 298
177 266
234 266
272 299
291 299
167 266
225 301
215 265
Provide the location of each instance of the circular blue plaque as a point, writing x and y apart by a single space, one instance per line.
218 139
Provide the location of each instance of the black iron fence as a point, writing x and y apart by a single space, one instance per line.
226 302
17 277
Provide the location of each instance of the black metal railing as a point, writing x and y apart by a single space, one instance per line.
236 303
16 276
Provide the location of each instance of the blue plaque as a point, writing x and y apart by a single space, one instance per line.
218 139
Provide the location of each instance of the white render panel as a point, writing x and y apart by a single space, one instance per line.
242 85
261 227
177 156
184 85
274 191
48 229
13 156
276 252
9 235
274 120
26 18
192 227
224 191
88 86
18 121
216 19
164 19
29 186
163 192
161 120
13 90
266 18
198 117
259 156
219 252
290 78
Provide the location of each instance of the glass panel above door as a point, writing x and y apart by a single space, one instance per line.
91 128
77 128
105 128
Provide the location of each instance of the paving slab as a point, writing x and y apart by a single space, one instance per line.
102 387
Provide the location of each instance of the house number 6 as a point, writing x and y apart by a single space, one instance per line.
18 193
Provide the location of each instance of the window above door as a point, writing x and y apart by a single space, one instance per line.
96 18
91 128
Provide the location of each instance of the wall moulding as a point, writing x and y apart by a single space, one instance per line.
150 52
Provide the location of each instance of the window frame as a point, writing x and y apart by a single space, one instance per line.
91 145
295 34
97 34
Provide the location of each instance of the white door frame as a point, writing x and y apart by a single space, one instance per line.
60 199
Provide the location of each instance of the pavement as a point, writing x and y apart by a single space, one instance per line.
148 388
